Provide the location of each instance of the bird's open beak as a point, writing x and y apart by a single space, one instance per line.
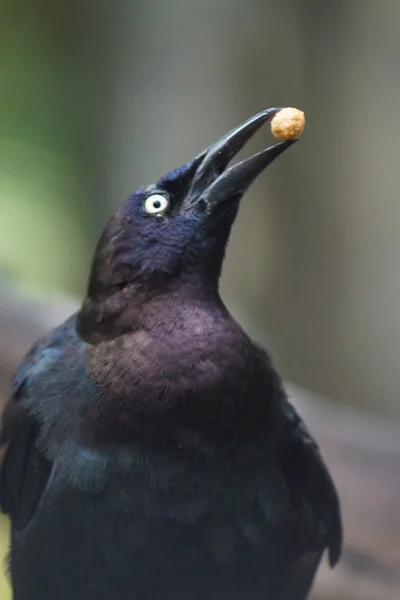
213 182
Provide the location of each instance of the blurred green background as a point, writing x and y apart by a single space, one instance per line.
98 98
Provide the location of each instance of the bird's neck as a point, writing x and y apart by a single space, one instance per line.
145 306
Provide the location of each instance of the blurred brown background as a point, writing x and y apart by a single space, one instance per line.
98 98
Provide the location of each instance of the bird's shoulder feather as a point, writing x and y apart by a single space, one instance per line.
26 467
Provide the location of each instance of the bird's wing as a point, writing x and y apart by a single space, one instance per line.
306 470
25 469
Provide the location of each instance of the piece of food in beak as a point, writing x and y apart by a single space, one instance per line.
288 124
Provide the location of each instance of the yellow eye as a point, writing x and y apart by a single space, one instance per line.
156 204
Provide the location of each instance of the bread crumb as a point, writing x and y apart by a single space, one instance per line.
288 124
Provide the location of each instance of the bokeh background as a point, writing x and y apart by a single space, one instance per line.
98 98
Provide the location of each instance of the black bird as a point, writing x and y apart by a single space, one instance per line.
151 450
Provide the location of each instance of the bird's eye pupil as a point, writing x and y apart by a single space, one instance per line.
157 204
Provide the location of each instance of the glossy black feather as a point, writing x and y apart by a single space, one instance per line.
305 467
24 475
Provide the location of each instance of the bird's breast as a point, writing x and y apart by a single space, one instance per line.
198 374
180 357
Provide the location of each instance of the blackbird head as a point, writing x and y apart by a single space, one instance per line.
172 234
